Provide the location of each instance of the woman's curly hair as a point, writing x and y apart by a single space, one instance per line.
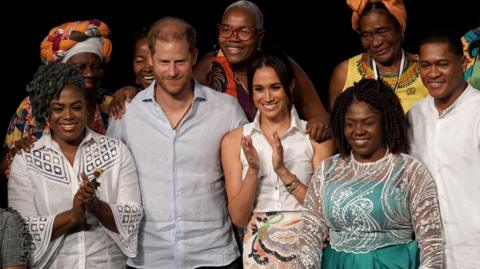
47 83
380 97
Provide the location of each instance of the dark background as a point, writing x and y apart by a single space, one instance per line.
317 34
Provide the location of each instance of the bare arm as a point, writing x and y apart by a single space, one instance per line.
309 105
122 95
337 82
322 151
240 193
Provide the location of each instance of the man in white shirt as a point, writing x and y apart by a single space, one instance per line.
445 135
174 128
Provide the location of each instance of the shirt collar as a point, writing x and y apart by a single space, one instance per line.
199 92
295 123
460 100
49 143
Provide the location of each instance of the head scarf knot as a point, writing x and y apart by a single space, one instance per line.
72 38
395 7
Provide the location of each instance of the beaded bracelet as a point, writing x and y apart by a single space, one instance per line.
292 185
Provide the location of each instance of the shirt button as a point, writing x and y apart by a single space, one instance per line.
276 187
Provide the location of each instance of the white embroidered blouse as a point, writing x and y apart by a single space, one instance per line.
42 184
366 206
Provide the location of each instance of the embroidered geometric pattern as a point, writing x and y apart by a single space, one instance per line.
130 215
37 228
49 164
99 155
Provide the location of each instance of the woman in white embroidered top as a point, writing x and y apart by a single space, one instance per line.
378 205
78 190
267 165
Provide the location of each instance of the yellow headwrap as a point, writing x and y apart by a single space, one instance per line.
64 37
395 7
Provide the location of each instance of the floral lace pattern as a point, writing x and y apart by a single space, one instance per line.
366 206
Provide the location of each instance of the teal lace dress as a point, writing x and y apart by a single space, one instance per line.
382 214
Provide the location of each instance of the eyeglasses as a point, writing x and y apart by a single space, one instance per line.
243 33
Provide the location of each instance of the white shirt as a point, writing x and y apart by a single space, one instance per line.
272 195
186 222
42 184
449 145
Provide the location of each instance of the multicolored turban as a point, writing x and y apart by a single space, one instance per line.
72 38
395 7
471 51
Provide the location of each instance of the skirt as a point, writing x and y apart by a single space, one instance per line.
271 240
404 256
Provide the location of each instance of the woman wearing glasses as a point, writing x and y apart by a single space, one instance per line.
381 26
240 36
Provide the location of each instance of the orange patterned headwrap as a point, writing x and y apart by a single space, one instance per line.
93 35
395 7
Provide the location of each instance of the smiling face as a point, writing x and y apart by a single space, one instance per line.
236 50
442 72
68 116
364 132
269 95
380 37
173 63
141 65
90 67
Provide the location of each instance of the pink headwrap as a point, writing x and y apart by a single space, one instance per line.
72 38
395 7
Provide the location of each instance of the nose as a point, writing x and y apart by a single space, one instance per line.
268 95
434 73
68 114
376 40
358 130
172 70
148 67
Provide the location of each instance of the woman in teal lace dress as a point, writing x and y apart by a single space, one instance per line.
378 205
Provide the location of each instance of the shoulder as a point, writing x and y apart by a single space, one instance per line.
216 96
233 136
410 161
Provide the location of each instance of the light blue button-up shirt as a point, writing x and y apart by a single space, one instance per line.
186 223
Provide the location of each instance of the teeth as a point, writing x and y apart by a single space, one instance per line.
68 127
148 77
234 50
269 106
360 142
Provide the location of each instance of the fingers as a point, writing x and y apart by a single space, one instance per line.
319 132
87 186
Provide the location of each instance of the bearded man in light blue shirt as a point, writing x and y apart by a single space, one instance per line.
174 129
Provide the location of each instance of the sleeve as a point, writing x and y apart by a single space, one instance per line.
18 124
239 118
314 228
127 209
21 196
115 128
15 240
425 210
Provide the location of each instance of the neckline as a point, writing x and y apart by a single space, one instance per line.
355 161
174 128
400 72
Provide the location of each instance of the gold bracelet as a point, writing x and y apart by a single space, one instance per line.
292 185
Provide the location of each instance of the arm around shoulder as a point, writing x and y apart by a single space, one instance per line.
337 82
305 95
